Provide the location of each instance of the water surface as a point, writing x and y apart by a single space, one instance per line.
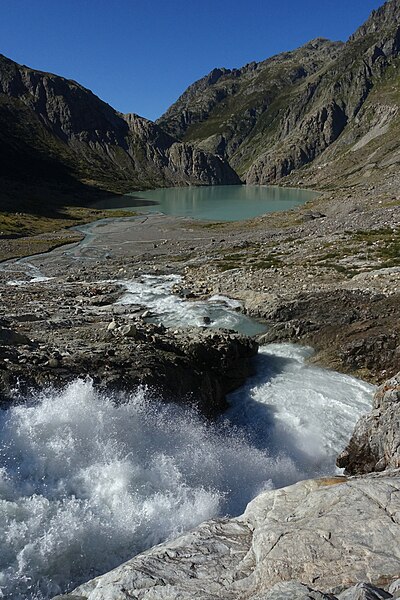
87 482
216 203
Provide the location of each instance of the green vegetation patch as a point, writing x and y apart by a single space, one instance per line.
23 234
382 245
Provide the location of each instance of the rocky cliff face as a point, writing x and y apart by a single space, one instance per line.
329 105
233 112
53 129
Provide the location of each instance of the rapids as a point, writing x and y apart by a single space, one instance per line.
87 481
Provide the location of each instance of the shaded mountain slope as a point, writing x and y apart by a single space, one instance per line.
55 132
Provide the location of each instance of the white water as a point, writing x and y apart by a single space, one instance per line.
154 292
86 483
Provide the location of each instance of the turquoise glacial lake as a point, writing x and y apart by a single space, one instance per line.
215 203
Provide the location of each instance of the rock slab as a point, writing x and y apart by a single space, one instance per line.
329 534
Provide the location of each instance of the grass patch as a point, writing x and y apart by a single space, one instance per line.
23 234
21 224
383 245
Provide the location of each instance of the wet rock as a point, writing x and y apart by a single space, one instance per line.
375 443
190 366
352 331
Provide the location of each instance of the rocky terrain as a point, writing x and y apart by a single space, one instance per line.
325 274
330 106
52 344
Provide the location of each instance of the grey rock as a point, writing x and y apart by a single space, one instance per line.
375 443
112 326
394 588
314 532
293 590
129 331
364 591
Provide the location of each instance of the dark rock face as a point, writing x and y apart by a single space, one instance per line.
362 330
272 118
375 443
55 129
198 367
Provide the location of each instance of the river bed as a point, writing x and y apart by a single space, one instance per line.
89 480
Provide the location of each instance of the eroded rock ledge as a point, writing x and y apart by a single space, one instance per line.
328 534
190 365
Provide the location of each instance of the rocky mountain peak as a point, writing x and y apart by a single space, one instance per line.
287 111
386 16
54 129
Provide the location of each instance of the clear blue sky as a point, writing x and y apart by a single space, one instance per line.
139 55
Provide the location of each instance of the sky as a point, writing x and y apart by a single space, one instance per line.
139 56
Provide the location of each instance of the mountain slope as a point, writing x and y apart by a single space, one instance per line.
273 118
56 132
232 112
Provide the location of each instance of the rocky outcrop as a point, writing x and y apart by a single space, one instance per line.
353 331
375 443
315 532
54 130
194 366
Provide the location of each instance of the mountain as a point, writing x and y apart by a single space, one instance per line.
326 114
56 133
328 105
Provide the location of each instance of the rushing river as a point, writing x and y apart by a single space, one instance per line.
87 482
218 203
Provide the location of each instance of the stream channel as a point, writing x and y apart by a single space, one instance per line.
86 483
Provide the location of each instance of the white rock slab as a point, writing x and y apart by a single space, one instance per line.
328 534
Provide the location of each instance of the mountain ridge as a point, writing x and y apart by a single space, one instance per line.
302 102
54 130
